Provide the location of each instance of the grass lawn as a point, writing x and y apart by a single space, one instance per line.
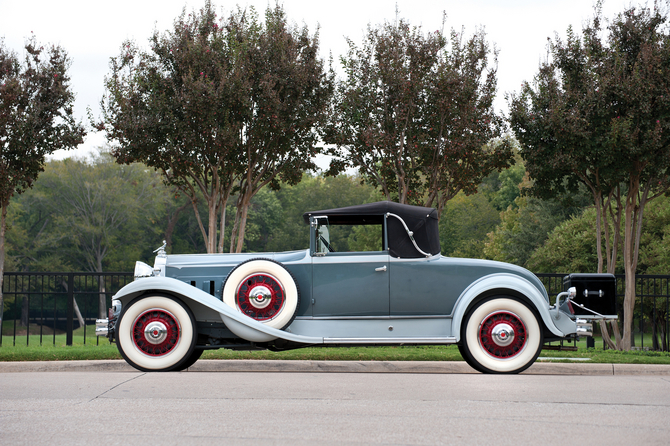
87 348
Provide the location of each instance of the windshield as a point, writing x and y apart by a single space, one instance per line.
323 236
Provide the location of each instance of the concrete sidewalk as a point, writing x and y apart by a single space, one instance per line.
445 367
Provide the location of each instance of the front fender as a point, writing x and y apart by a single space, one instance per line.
240 324
501 282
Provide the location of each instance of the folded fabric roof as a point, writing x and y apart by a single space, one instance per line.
421 221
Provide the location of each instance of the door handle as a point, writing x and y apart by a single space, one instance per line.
381 268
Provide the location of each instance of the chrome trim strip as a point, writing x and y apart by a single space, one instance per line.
342 257
362 318
415 259
435 340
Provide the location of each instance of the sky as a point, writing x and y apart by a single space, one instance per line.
93 31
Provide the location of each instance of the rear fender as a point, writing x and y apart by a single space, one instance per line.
501 284
204 304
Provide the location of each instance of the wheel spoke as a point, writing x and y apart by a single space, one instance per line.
502 335
260 296
156 332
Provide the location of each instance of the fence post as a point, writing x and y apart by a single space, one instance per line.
69 327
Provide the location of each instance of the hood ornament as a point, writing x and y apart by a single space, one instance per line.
160 252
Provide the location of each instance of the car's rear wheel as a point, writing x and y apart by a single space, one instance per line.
501 335
156 333
263 290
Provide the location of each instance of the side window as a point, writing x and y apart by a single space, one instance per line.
355 238
338 237
366 238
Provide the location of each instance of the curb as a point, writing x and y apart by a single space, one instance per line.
302 366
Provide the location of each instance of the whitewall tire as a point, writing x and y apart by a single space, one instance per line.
263 290
156 333
501 335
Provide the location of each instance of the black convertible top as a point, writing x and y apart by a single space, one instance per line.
421 221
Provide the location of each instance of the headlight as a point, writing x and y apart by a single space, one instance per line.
143 270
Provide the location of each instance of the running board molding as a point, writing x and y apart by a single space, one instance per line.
437 340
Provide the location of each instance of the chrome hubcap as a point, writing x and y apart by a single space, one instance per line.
502 335
260 296
155 332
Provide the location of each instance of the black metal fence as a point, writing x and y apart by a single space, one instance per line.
44 306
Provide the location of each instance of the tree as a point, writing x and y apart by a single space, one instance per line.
219 106
569 247
176 108
414 114
36 119
287 96
464 141
97 215
101 211
464 224
597 114
525 226
311 194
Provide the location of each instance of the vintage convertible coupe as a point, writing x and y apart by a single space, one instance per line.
403 292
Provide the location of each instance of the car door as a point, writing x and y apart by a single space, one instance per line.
350 284
423 287
347 284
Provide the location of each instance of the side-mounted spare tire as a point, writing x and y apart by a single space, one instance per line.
264 290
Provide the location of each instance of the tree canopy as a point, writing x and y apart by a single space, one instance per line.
597 114
36 119
415 113
219 106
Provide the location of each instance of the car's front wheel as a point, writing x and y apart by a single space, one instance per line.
501 335
156 333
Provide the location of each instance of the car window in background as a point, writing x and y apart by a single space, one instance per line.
356 238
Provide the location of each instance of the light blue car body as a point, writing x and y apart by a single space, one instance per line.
353 297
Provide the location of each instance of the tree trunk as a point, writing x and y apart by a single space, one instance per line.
212 203
629 265
606 335
77 313
243 222
25 311
236 225
617 334
3 227
222 225
597 197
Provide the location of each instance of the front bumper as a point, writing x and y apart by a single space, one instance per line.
105 327
102 327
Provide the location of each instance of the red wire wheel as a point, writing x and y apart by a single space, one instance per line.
264 290
156 332
260 296
502 335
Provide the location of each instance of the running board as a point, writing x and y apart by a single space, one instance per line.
441 340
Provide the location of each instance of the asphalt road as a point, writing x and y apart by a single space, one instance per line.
290 408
